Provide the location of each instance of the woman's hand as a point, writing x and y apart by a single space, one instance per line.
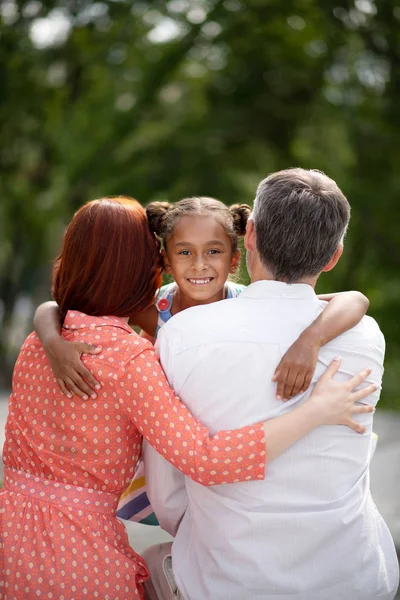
336 403
71 374
296 368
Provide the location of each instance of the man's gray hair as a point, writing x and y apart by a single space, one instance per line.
300 218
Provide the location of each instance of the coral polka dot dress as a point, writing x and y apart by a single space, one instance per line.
68 461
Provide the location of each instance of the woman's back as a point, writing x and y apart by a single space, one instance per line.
74 458
90 444
66 463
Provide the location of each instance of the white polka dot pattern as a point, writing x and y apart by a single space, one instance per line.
56 547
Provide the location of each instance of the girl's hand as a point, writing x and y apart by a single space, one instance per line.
71 374
296 368
336 402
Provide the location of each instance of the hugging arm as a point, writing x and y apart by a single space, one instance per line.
166 486
71 374
176 434
228 456
296 368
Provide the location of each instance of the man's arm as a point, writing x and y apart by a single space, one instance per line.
165 488
165 484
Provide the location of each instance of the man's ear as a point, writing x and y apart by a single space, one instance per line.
332 263
235 262
166 263
250 237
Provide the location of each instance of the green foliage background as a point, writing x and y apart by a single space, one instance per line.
161 100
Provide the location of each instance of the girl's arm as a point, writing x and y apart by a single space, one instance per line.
228 456
297 366
65 357
148 337
147 321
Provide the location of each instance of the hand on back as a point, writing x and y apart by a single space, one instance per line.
337 402
71 374
296 369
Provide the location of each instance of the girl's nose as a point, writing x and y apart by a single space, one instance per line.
199 263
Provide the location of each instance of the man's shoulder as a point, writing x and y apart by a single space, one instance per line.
198 316
366 331
200 324
365 341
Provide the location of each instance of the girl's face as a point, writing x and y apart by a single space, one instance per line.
199 256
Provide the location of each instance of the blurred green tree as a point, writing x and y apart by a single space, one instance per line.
169 99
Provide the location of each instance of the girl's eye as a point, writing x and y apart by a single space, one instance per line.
184 252
213 251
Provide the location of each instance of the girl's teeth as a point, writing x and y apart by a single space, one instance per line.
200 281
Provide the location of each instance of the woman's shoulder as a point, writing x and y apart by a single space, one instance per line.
119 355
135 344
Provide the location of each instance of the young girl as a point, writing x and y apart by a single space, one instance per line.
200 250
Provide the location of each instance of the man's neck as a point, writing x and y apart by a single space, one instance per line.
259 273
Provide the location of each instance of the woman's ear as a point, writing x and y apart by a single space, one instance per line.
235 261
166 263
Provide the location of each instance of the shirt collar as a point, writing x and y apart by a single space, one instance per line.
278 289
78 320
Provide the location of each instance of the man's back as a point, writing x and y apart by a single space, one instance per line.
310 530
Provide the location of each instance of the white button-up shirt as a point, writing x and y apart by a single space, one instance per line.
310 530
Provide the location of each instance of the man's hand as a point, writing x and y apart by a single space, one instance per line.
71 374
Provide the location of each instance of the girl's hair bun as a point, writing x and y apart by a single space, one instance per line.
156 212
240 214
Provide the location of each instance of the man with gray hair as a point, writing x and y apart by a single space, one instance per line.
310 530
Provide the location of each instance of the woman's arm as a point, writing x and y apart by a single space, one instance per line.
297 366
228 456
65 357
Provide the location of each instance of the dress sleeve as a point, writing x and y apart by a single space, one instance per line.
167 424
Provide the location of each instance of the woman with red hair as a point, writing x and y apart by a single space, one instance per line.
67 461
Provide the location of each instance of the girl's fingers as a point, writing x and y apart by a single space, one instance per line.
307 381
75 389
89 383
281 383
85 389
275 376
298 384
364 392
288 386
358 378
63 388
87 348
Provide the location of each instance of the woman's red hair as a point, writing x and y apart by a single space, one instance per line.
110 262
